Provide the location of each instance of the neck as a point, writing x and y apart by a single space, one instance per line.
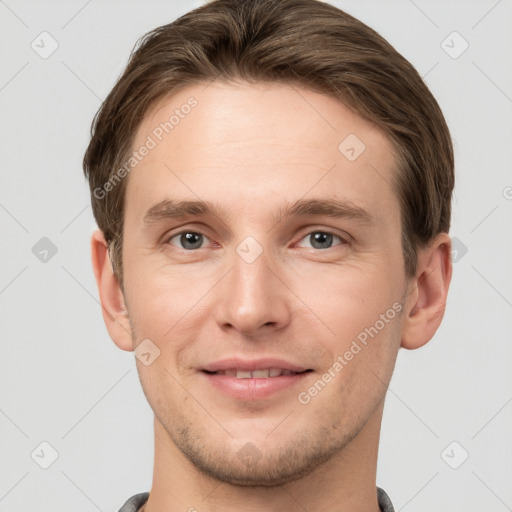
345 482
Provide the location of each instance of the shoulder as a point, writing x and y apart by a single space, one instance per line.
135 502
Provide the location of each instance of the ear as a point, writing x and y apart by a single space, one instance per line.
112 300
426 300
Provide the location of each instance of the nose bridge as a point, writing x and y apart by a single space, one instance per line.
252 295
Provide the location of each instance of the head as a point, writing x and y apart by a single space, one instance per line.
271 179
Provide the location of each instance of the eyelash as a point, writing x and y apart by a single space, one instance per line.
342 240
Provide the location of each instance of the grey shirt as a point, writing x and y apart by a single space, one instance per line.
135 502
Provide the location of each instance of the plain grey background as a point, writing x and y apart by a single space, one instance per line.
446 438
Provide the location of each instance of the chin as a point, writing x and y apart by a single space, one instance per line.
260 463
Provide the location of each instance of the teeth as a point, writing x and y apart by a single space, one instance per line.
261 374
256 374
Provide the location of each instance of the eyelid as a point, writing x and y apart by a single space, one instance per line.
168 238
344 238
186 227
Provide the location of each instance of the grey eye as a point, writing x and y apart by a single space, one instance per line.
189 240
321 239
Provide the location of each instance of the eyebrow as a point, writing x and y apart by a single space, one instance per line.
171 209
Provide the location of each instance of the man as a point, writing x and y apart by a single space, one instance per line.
272 182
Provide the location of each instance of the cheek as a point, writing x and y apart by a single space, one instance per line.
363 357
347 298
168 310
161 390
159 299
360 312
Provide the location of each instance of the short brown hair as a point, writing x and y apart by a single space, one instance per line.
305 42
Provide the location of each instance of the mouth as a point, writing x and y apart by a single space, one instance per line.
256 374
254 380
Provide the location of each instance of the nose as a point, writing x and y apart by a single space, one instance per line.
253 298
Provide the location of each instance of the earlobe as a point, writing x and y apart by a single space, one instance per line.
112 300
427 294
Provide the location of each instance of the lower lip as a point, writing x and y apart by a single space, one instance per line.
253 388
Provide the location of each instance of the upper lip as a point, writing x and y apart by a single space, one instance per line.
252 365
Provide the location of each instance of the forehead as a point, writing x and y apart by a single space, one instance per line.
260 139
238 113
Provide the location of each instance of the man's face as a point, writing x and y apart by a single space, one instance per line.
250 283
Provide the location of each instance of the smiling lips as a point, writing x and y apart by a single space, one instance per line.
253 380
256 374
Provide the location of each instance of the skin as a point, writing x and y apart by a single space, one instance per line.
252 149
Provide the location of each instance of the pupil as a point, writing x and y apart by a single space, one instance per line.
319 240
191 238
324 239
